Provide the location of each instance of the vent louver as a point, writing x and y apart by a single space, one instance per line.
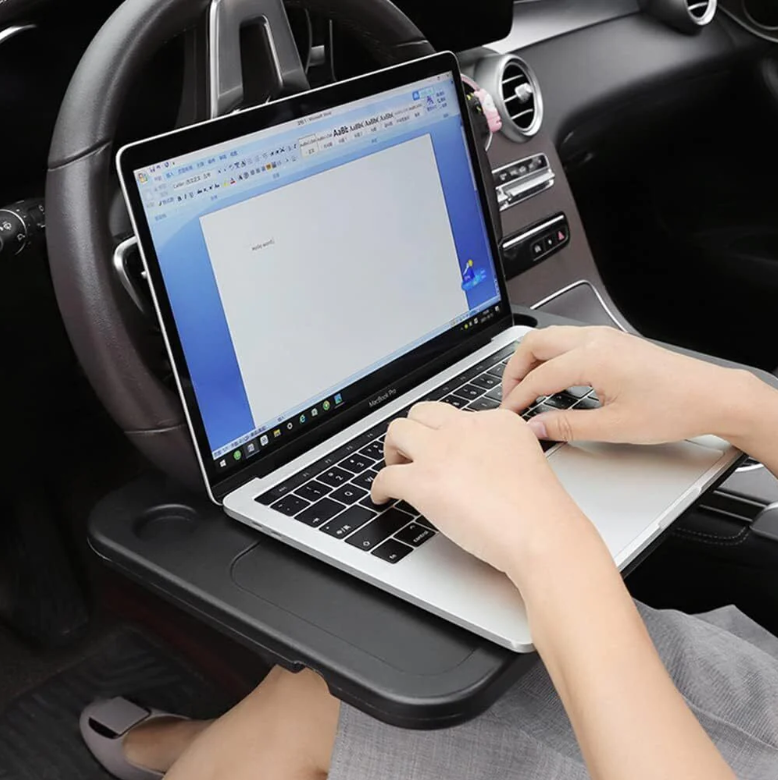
701 11
520 103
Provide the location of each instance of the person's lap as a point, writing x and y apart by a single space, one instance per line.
724 664
291 728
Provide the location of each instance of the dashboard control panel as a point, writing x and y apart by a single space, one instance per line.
522 179
535 243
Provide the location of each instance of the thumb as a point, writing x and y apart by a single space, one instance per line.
570 425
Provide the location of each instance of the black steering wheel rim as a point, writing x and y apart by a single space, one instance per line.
111 338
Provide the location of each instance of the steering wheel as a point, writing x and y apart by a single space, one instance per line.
116 345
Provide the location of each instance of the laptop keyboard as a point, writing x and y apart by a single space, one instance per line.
333 494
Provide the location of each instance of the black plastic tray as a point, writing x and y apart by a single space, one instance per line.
386 657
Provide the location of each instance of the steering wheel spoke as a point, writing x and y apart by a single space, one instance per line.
132 277
227 23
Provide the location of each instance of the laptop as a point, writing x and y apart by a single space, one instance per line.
318 265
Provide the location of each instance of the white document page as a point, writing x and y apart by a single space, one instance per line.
324 277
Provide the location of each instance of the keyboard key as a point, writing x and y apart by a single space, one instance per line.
306 474
380 529
443 390
313 490
482 404
327 462
470 392
465 376
487 381
459 403
349 494
278 491
539 409
559 401
375 450
404 506
414 535
348 522
506 353
356 463
370 504
392 551
342 452
365 480
320 512
579 391
588 403
497 370
335 476
290 505
368 436
426 523
495 394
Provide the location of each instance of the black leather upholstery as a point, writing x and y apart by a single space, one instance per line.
110 339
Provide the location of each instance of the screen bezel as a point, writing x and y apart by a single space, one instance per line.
402 373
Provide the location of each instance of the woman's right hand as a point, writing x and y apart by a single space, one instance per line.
649 395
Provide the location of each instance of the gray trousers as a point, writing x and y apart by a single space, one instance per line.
724 664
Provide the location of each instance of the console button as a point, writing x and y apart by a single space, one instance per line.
503 177
536 249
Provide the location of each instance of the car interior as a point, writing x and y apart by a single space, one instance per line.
634 182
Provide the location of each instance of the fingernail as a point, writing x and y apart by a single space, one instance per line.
538 427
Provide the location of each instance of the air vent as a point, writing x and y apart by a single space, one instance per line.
520 98
687 16
514 87
701 11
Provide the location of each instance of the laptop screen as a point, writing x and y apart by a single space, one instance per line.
301 260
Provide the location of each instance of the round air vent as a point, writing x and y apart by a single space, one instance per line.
516 93
701 11
688 16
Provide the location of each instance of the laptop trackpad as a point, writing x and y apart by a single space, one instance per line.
626 489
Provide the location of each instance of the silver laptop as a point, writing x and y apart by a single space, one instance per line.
318 265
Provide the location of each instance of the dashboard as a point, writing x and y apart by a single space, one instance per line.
572 78
759 17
